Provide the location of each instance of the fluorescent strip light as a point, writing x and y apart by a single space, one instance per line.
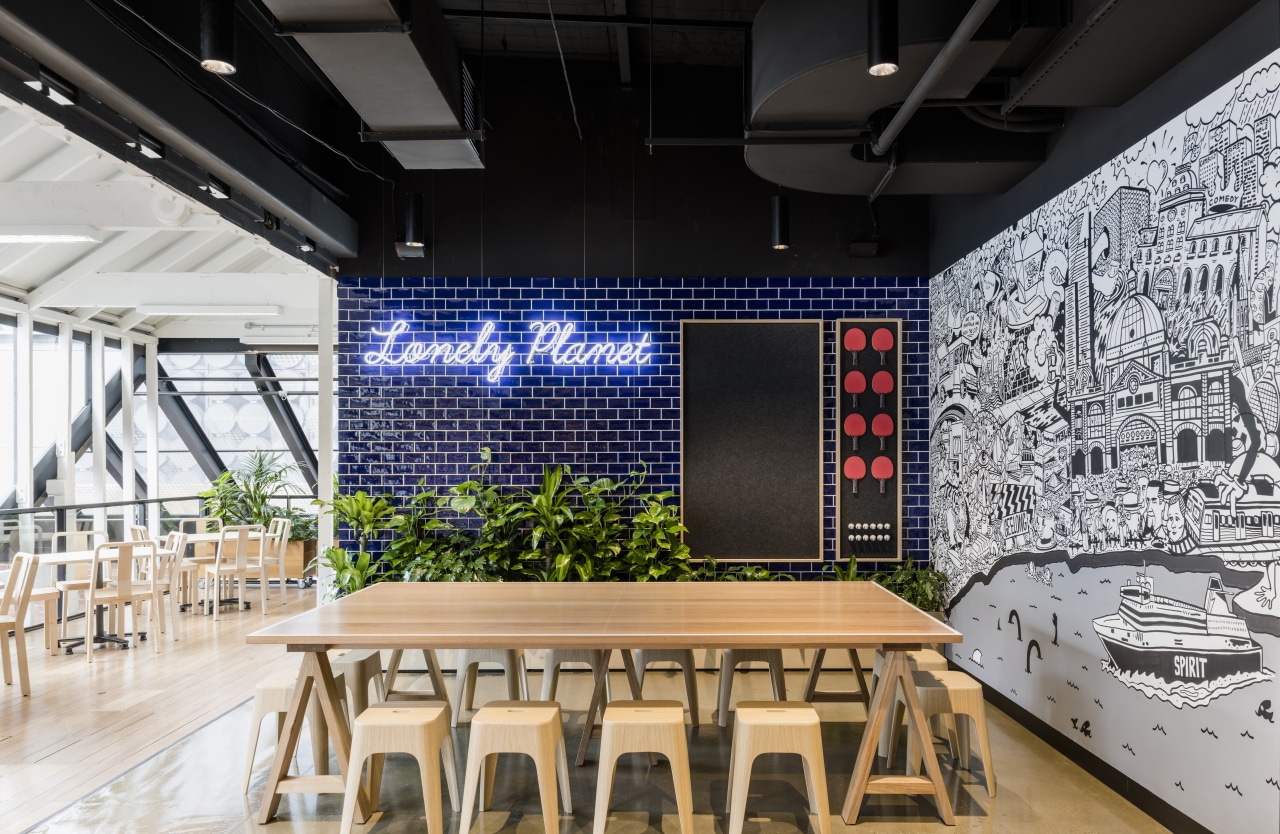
310 339
50 234
207 310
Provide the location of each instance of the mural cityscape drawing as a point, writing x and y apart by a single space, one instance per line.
1107 371
1105 458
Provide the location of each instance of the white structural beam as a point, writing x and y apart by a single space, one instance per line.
8 305
228 257
112 205
153 435
327 447
98 416
47 294
83 314
141 289
130 320
128 482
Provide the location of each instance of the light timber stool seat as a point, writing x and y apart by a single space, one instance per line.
645 727
469 660
272 697
528 727
919 660
730 659
683 657
419 728
949 693
361 667
555 658
776 727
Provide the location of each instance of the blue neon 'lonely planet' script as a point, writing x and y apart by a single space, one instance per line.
552 340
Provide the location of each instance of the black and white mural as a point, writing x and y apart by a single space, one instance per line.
1105 458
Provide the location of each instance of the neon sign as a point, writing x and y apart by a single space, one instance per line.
553 342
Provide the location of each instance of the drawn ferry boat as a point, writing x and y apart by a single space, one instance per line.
1177 641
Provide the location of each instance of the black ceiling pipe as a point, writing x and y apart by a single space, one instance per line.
218 36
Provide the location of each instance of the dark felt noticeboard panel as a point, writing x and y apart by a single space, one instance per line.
751 439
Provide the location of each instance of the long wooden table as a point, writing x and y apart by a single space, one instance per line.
608 616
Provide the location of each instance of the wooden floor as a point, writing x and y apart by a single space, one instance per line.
83 725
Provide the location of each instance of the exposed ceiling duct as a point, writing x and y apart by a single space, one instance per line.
809 79
403 75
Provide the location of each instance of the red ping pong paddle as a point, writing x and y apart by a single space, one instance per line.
882 427
882 383
882 470
882 340
855 339
855 425
855 382
855 469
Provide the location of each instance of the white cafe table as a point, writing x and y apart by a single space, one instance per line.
609 616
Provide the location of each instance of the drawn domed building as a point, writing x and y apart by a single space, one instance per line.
1137 372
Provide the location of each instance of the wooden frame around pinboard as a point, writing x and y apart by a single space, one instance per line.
868 522
751 439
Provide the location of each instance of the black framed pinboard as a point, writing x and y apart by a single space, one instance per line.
869 425
751 439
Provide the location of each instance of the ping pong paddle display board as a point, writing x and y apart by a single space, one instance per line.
869 412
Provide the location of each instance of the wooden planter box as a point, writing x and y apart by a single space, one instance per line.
296 558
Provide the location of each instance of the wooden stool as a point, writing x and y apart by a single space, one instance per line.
433 671
469 660
776 727
273 696
948 693
688 665
49 597
360 668
920 660
645 727
729 661
556 657
529 727
420 729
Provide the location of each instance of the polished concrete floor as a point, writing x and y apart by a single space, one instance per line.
196 784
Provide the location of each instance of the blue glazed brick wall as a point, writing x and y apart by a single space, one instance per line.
397 425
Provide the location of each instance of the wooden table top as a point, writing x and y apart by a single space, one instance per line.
615 615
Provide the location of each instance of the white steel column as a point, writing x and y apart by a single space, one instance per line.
66 454
326 452
128 481
153 436
98 414
24 455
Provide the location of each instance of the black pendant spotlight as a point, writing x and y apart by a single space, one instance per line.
781 222
882 37
414 244
218 36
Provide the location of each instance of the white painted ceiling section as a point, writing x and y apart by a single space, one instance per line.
148 247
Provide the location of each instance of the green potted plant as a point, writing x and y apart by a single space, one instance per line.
246 495
367 516
921 585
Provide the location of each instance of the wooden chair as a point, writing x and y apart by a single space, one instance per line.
555 658
683 657
469 660
271 697
361 667
729 662
230 567
420 729
139 533
776 727
130 585
13 615
184 576
273 547
644 727
78 577
165 564
200 524
529 727
948 693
